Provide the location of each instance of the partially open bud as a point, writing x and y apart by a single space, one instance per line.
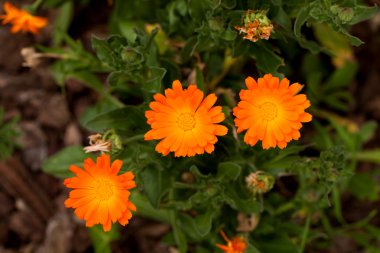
259 182
97 144
256 25
109 142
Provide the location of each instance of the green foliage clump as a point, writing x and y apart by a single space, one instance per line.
155 42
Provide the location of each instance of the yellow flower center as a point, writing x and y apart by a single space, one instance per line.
104 189
186 121
268 111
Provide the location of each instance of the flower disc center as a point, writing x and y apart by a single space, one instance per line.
186 121
268 111
104 189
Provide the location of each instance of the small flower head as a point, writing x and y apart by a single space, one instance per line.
259 182
271 111
238 244
256 25
22 20
100 195
185 123
97 143
109 142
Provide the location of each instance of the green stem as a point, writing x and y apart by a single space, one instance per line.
305 232
33 8
337 206
134 138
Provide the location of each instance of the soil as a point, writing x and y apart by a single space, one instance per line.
32 215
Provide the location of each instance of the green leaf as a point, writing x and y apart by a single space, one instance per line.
367 131
127 29
266 60
341 77
102 240
154 82
189 228
278 244
109 50
228 171
103 106
59 163
88 78
62 22
203 222
248 205
199 79
189 48
145 208
302 17
155 184
179 236
129 118
363 13
365 187
342 132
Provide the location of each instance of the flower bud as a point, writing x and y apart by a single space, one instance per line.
346 15
259 182
114 139
131 56
256 25
109 142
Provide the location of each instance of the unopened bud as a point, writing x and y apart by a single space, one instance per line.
115 140
131 56
346 15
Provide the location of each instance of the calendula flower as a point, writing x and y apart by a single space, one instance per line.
271 111
100 195
185 123
256 25
238 244
22 20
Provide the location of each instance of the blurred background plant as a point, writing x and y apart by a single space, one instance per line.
148 44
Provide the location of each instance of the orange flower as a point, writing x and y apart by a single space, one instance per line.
271 111
184 121
237 245
21 20
100 196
